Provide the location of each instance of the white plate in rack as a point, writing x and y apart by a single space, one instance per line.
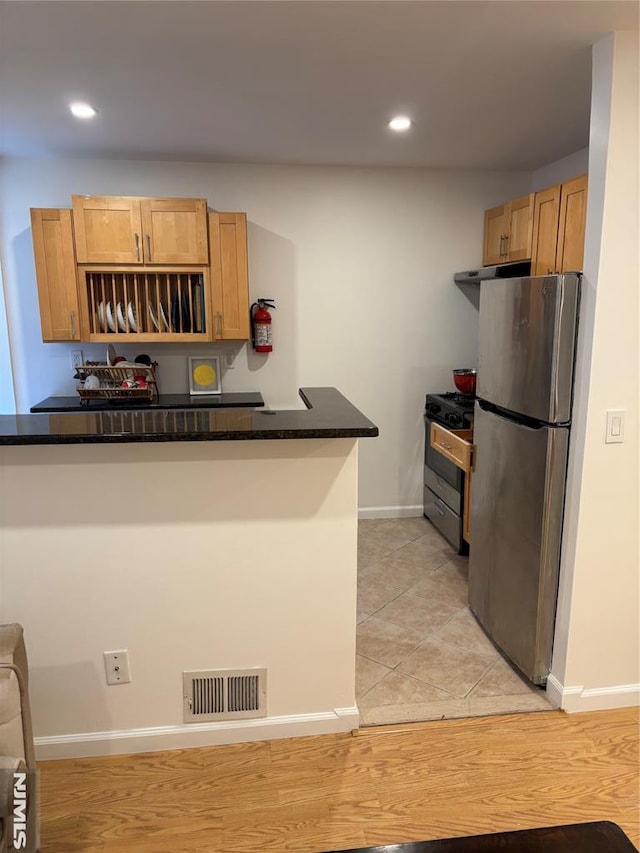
164 318
121 320
153 317
131 313
102 322
110 321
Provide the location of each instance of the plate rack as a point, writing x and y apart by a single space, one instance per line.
112 379
152 304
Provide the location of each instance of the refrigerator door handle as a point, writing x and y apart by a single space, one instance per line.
555 361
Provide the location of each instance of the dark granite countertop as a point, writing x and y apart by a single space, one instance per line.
164 401
328 415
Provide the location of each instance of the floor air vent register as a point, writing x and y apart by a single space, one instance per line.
224 694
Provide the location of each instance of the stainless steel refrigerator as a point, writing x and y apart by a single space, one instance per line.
522 423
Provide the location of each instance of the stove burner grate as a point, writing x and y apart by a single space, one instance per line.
451 409
465 400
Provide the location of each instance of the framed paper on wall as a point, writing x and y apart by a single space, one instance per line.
204 375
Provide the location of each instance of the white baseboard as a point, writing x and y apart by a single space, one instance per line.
125 741
576 699
390 511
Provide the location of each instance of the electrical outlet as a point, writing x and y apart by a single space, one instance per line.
117 666
76 358
229 358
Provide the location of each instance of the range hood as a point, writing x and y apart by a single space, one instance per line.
517 270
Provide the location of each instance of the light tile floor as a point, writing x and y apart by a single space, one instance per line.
421 655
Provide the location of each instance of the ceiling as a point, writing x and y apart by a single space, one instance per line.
488 84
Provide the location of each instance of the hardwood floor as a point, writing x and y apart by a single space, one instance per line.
381 785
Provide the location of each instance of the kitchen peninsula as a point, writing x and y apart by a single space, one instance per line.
196 540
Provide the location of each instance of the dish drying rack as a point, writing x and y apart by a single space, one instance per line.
111 379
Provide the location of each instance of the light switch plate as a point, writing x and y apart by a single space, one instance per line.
615 426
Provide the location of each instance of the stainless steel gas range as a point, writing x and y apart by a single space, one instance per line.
444 482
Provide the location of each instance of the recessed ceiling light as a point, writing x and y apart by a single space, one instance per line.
81 110
400 123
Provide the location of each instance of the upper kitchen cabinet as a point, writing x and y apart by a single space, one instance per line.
508 231
130 230
174 230
56 274
229 276
559 228
571 226
520 228
494 230
546 212
108 229
165 299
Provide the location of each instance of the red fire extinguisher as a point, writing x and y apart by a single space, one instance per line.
261 337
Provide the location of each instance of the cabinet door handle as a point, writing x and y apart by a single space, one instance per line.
506 245
502 245
148 247
72 317
137 236
218 324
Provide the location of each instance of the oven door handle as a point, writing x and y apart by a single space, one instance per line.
438 508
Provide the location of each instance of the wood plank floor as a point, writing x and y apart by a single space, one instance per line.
381 785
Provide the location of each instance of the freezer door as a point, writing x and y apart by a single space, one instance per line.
516 527
527 345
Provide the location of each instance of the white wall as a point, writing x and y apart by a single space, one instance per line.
7 398
191 556
597 652
561 170
360 262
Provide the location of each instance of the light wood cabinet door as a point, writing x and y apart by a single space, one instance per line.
52 233
546 212
508 231
571 227
519 228
174 231
495 230
108 229
229 276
